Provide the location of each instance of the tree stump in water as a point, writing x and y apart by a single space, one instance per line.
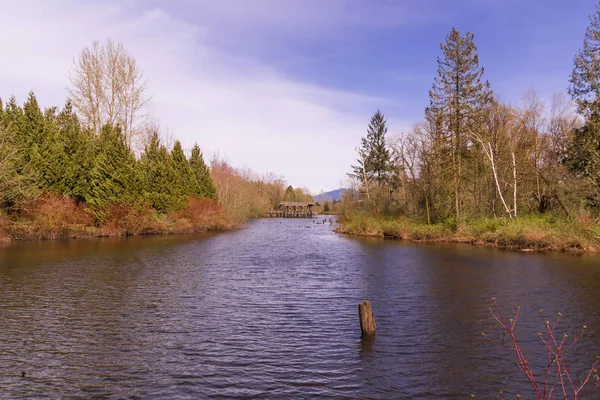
367 320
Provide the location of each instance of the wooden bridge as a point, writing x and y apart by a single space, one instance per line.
293 209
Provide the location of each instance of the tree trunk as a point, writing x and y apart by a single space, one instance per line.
514 184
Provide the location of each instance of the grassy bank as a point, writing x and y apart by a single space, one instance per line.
534 232
60 217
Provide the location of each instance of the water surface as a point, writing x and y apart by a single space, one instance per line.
270 311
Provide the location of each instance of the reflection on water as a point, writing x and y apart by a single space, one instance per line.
271 311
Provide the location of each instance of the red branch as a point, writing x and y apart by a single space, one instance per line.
556 373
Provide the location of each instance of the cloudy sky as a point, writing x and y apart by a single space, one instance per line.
288 86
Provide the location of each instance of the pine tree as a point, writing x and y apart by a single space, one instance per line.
374 157
583 156
78 147
113 177
47 155
457 101
585 78
42 154
15 187
206 188
159 177
18 183
31 133
186 181
14 119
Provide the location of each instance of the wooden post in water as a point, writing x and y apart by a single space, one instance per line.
367 319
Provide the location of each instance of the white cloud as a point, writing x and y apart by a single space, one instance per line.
240 107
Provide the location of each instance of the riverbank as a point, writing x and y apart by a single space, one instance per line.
59 217
528 233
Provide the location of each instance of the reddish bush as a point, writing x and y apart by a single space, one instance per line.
4 228
202 215
124 219
51 217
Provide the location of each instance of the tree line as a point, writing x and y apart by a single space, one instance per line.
297 194
473 156
101 158
52 151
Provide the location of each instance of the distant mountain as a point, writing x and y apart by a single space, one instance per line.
334 195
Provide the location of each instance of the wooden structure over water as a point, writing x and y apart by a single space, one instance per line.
293 209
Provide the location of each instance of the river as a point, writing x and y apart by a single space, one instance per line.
271 311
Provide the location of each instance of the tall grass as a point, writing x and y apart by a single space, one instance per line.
532 232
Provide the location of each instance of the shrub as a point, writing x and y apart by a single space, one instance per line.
201 215
51 217
123 219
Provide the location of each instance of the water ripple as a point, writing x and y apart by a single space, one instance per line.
271 312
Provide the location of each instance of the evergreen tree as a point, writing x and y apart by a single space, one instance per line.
47 155
585 78
206 188
18 184
583 156
31 132
37 139
78 148
14 121
113 177
374 156
289 194
159 177
186 181
457 102
15 187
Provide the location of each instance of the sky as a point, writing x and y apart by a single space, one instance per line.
289 86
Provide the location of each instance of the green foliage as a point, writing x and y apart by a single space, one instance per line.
78 147
48 158
49 151
458 100
33 132
585 78
204 187
289 194
583 158
374 162
113 177
187 184
326 207
532 232
15 187
159 177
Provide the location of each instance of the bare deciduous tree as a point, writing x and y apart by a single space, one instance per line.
109 87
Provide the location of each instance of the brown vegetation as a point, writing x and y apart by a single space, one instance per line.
58 217
535 232
243 193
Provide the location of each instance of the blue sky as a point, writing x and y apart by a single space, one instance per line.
288 86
